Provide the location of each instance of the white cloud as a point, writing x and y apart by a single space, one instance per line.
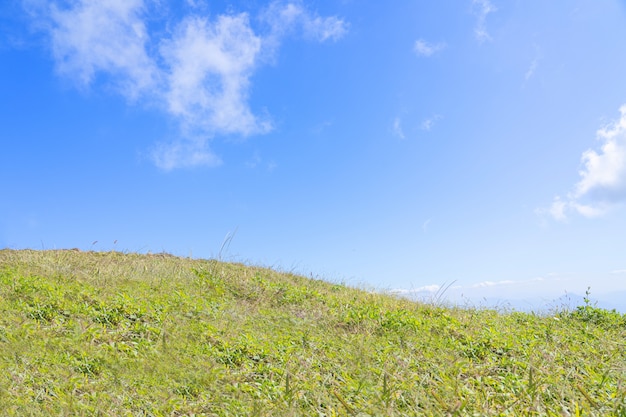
103 36
500 285
427 49
197 4
429 288
602 186
557 209
254 161
482 8
284 17
321 127
183 154
531 70
604 173
323 29
427 124
397 128
209 66
433 288
457 289
200 76
486 284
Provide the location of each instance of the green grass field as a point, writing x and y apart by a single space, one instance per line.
112 334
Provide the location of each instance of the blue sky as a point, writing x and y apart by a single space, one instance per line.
401 147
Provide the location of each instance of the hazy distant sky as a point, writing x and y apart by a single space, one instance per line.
396 145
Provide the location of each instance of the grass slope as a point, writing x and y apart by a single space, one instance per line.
84 333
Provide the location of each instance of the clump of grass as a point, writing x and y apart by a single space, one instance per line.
87 333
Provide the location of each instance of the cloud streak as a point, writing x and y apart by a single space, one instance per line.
287 17
199 75
184 154
429 123
602 185
531 69
482 9
397 128
479 287
426 49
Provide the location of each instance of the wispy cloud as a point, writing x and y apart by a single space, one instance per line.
319 128
482 8
256 162
487 284
397 128
602 186
183 154
531 69
285 18
200 75
103 37
197 4
428 123
433 288
426 49
533 66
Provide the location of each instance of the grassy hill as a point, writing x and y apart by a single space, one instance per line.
86 333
